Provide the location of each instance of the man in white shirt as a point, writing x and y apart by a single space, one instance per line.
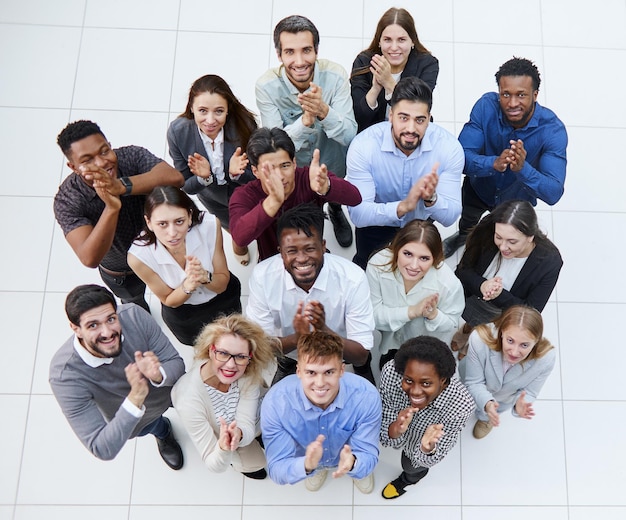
304 289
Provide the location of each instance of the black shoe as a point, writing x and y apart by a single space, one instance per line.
257 475
170 450
341 226
452 243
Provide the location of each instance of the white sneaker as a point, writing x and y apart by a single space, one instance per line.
316 481
366 484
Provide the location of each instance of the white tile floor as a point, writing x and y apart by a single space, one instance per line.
127 64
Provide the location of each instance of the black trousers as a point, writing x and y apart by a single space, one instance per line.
370 239
411 474
127 287
473 207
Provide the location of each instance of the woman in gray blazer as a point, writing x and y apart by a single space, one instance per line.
506 366
207 143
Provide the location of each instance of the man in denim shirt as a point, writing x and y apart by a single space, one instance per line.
309 99
514 149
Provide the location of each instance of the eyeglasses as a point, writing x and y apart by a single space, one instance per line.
224 357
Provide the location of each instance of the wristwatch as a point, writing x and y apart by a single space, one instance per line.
126 182
432 200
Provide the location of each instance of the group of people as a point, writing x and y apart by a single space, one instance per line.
268 388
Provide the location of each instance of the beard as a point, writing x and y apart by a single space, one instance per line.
108 352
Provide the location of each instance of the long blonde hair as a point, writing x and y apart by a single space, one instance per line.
527 319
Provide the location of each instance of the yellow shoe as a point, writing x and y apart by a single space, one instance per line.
394 489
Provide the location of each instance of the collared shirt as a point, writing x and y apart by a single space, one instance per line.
77 204
384 176
341 287
277 99
391 302
215 152
487 134
200 242
452 408
290 422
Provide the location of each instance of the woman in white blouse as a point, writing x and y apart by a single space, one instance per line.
506 366
218 399
180 257
413 291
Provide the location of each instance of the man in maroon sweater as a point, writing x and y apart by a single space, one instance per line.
280 185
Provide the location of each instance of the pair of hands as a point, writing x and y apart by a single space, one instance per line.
491 288
513 157
315 451
381 74
272 179
146 367
523 408
309 317
423 189
427 308
432 435
195 274
230 435
200 166
108 188
313 106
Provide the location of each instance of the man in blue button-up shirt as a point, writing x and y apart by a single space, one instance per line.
514 149
321 418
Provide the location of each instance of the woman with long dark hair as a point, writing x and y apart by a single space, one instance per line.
394 53
207 143
508 261
181 259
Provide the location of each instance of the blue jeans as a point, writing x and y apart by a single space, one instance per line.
159 428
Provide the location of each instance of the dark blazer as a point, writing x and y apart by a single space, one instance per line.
183 140
533 286
422 65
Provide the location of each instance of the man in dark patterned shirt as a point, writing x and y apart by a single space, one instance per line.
100 205
424 408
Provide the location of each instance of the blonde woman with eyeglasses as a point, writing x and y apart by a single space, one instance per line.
219 398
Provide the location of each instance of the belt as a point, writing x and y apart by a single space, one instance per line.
115 273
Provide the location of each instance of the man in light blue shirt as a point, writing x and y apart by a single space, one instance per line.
405 168
310 99
321 418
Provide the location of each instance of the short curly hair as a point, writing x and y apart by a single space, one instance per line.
75 132
426 349
520 67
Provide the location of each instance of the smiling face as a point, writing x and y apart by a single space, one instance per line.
227 372
320 379
90 153
100 331
170 225
303 256
210 112
511 242
298 56
422 383
517 344
409 121
395 44
414 261
278 164
517 99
